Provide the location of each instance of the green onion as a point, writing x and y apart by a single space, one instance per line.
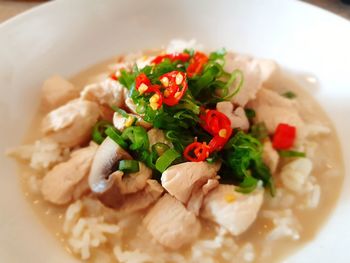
115 136
291 154
250 113
248 185
259 131
289 95
99 131
120 111
164 161
137 136
129 166
231 80
159 148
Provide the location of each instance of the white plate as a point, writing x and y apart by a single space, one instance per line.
66 36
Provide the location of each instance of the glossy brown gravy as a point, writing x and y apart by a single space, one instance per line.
329 171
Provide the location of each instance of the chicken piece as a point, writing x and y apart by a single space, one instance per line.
65 181
180 180
141 199
171 224
255 72
130 105
232 210
108 92
273 109
157 136
296 174
132 182
121 123
196 199
57 91
270 156
237 117
70 125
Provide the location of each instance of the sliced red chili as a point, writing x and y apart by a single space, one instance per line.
197 63
214 121
284 137
174 84
142 83
196 152
217 143
156 100
113 76
173 57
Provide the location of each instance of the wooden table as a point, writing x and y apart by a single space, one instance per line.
10 8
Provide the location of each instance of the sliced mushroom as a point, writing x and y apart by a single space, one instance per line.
106 158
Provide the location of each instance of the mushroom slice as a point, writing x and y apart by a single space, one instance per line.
106 158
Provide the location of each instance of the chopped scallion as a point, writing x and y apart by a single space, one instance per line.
115 136
289 95
159 148
291 154
99 131
129 166
164 161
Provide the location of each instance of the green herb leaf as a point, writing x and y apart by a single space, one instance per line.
99 131
129 166
248 185
289 95
250 113
164 161
291 154
137 136
259 131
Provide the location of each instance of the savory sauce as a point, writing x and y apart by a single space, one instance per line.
328 169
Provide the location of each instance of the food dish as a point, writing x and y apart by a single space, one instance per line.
298 50
165 157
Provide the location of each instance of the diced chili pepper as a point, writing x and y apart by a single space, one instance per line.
197 63
284 137
217 143
173 57
214 121
174 84
156 100
113 76
142 83
196 152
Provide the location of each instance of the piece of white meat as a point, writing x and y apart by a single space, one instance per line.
232 210
70 125
270 156
121 123
181 179
57 91
132 182
273 109
68 180
108 92
171 224
157 136
255 73
237 116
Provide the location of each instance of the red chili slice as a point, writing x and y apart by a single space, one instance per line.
284 137
197 63
174 84
196 152
173 57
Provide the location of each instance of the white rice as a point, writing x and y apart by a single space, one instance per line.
42 155
85 233
286 225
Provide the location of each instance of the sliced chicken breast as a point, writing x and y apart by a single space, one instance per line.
70 125
180 180
237 116
232 210
57 91
108 92
273 109
171 224
68 180
255 72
